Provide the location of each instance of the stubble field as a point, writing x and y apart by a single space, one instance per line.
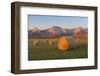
46 51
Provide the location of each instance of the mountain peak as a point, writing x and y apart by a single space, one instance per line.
56 30
79 30
34 29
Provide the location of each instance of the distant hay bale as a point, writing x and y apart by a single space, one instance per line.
49 42
36 42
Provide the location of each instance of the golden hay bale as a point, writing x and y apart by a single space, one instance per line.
62 43
49 42
65 43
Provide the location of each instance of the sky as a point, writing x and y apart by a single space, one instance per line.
43 21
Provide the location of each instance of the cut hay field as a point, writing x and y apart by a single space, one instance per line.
44 51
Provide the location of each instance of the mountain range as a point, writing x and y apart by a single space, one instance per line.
55 31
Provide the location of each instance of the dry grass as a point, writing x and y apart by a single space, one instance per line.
46 50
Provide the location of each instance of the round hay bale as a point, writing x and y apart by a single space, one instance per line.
65 43
72 42
62 43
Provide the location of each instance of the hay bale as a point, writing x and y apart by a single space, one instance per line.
65 43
